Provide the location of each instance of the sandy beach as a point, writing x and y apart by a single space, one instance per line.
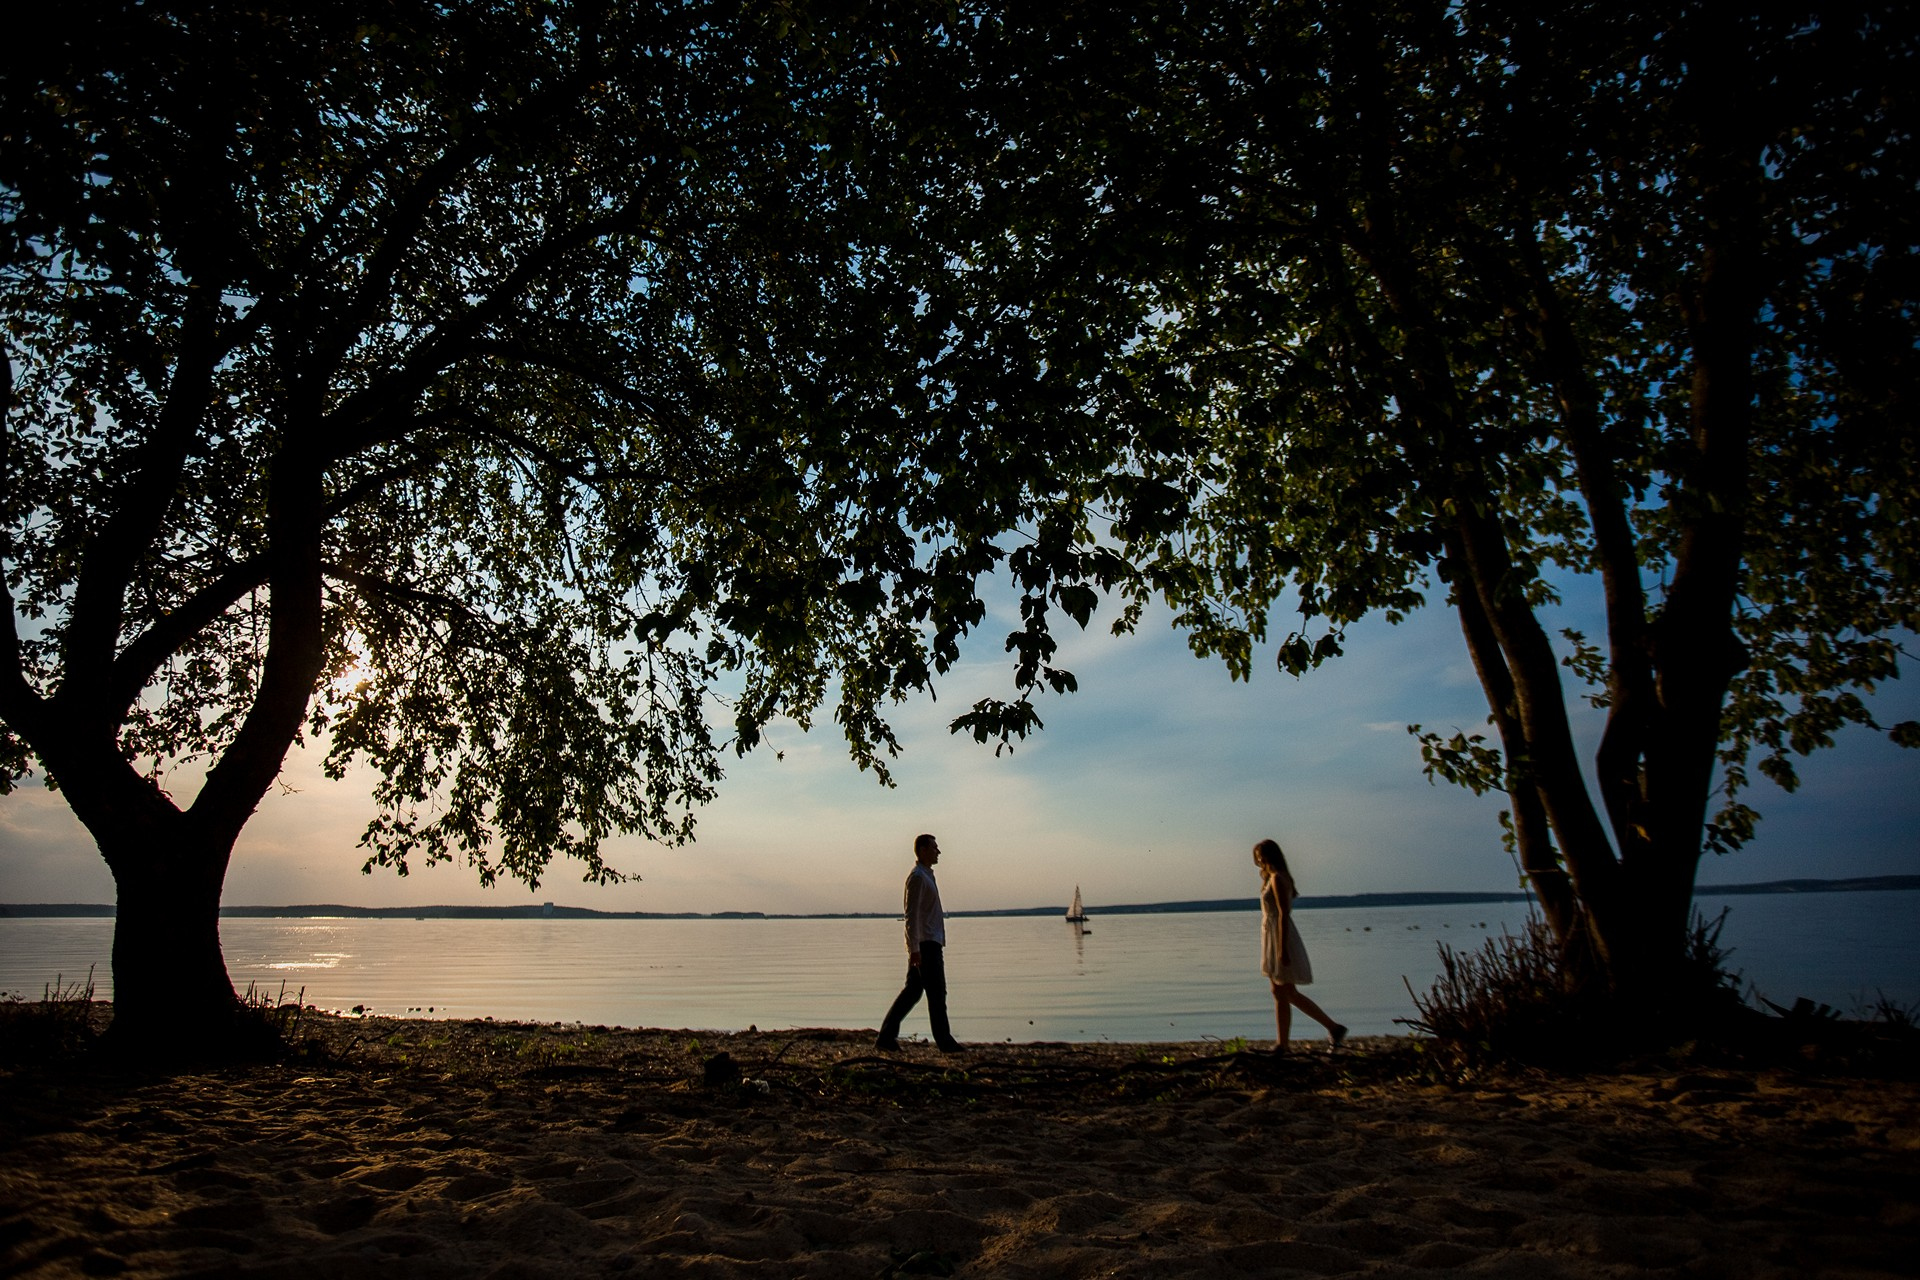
423 1149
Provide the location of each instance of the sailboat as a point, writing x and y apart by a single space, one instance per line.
1077 914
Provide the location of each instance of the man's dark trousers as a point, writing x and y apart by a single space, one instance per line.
930 977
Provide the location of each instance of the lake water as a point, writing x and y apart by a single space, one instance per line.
1129 978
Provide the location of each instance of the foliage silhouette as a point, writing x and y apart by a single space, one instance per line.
499 395
1514 303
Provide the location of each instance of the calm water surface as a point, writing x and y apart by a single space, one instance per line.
1130 978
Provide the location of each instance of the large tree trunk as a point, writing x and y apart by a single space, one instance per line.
172 996
171 990
1619 917
1649 929
171 993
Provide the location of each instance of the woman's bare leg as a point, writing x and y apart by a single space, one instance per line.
1335 1031
1284 994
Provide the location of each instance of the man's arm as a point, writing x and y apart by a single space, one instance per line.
916 891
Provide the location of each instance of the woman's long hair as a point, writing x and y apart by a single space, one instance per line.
1274 863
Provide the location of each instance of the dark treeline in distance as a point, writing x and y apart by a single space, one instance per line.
555 911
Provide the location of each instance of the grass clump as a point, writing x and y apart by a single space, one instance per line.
275 1013
1892 1014
60 1024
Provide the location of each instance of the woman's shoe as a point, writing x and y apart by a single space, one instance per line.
1339 1035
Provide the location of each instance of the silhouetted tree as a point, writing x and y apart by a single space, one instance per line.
493 391
1536 300
489 392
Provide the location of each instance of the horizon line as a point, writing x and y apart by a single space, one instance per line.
554 910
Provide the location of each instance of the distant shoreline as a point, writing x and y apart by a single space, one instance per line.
556 911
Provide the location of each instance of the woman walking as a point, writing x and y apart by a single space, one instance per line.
1283 957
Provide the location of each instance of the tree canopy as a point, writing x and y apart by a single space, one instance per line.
1509 301
487 389
493 391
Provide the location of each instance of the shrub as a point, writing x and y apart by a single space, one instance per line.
1523 999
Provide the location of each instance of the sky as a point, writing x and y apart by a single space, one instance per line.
1150 784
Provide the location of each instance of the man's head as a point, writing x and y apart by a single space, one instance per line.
926 850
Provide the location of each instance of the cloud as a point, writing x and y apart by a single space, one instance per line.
45 854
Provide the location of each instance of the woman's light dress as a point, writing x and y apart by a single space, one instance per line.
1298 969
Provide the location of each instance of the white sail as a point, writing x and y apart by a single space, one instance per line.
1076 911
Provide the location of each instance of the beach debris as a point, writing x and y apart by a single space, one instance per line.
1804 1010
720 1071
919 1262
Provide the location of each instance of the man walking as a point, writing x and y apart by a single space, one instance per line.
926 963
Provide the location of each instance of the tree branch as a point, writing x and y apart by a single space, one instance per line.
129 531
134 669
295 643
21 705
356 419
1530 823
1634 704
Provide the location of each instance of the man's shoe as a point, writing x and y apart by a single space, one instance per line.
953 1046
886 1045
